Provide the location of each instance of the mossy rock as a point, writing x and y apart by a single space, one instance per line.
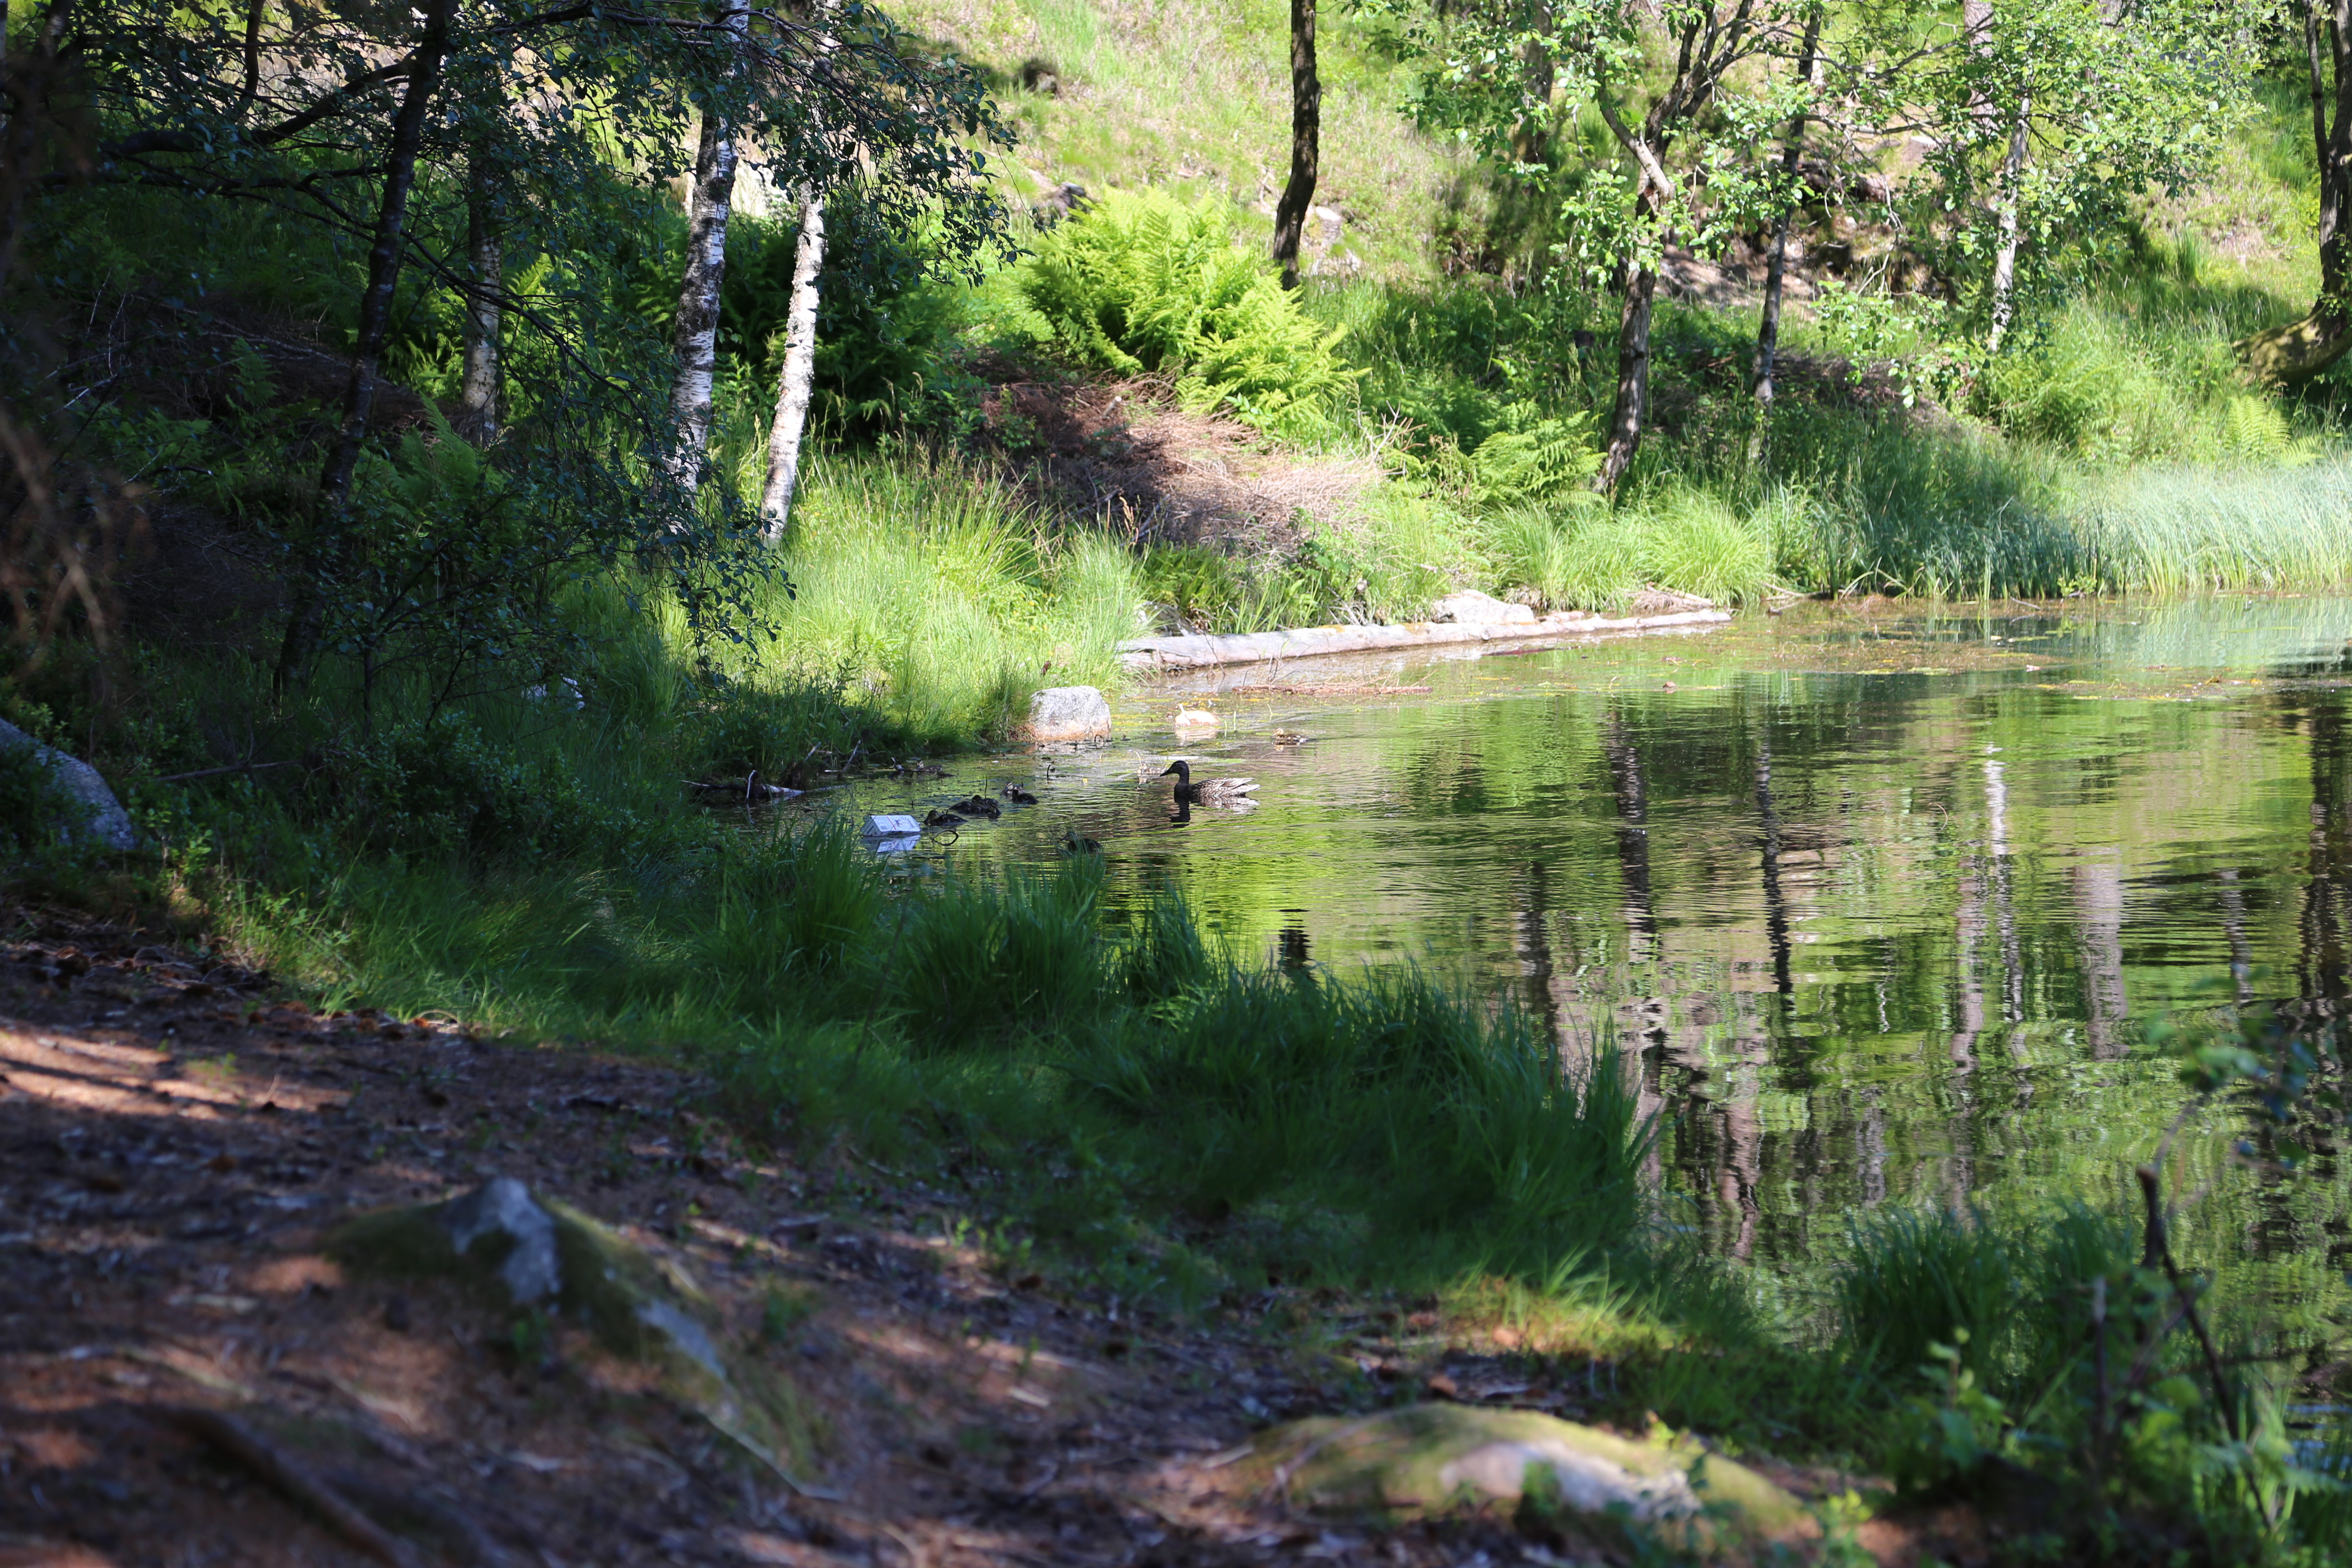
2283 355
1426 1459
532 1254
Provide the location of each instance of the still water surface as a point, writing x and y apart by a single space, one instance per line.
1882 903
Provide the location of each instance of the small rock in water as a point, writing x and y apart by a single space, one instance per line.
1068 713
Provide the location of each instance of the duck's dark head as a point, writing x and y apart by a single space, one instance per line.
1182 770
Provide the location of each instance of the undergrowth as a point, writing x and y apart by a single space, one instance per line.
1178 1122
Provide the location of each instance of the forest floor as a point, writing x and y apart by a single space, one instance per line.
175 1140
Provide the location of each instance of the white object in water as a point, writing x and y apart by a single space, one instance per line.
1194 721
886 826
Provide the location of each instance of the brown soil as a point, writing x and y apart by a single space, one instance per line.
175 1141
1126 453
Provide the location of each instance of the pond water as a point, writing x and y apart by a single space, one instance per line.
1881 902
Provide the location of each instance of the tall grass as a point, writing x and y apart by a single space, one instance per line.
1369 1127
2173 530
939 596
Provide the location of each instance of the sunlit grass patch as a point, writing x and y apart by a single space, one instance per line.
940 598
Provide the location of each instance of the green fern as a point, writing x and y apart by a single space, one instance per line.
1529 457
1146 283
2254 429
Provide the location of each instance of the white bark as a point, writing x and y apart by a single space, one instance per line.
477 392
709 207
2005 262
799 373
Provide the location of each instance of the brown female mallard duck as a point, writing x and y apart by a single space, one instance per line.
1208 791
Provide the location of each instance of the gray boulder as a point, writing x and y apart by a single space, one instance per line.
1070 713
90 811
1472 608
503 1209
532 1253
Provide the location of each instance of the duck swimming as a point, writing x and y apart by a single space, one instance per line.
1208 791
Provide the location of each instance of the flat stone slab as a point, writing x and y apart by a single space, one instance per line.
1305 642
1470 607
1424 1459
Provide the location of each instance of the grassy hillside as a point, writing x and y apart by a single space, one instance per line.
1195 95
2080 460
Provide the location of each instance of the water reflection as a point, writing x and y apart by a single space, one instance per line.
1879 909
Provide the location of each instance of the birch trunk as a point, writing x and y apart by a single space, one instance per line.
477 392
2005 262
1768 334
695 339
799 374
1305 141
374 328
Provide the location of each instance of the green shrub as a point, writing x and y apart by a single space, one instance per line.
1146 283
33 807
437 785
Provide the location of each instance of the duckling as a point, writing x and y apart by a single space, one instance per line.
1017 796
1076 843
979 805
943 819
1289 738
1208 791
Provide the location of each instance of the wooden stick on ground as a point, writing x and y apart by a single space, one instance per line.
274 1465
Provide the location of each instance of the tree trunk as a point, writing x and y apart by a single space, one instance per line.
696 337
27 96
1305 141
2335 148
799 373
1976 30
1767 334
1632 405
2005 262
255 12
374 328
2297 351
2281 356
486 260
1531 138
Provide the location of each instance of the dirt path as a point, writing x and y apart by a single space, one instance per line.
173 1141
